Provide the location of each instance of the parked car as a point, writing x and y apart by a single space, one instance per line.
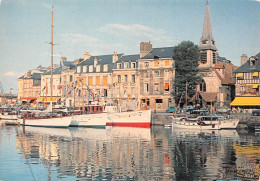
222 110
171 109
256 112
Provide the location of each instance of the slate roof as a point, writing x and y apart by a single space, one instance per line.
55 71
33 76
127 58
165 52
102 60
246 67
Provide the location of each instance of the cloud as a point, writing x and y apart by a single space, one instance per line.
10 74
138 32
0 2
88 43
256 0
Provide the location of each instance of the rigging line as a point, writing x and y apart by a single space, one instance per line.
26 159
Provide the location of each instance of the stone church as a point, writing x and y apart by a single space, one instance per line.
217 87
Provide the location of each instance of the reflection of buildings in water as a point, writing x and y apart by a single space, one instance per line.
201 154
248 157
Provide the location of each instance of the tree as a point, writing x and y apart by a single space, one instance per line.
186 56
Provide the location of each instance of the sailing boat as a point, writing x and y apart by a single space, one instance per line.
46 118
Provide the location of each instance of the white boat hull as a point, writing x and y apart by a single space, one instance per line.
8 117
89 120
176 123
226 124
57 122
130 119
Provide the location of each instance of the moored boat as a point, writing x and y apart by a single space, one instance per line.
140 118
8 113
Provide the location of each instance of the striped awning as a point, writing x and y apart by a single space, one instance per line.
246 101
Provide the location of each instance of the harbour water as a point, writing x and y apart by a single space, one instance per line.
118 153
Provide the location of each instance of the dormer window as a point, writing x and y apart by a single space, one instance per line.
105 68
204 42
98 68
119 66
85 69
133 65
213 42
146 64
79 69
253 61
91 68
126 65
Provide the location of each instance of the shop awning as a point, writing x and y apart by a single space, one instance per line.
239 74
255 86
246 101
166 86
255 74
48 99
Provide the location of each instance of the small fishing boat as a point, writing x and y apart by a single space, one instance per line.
7 113
12 123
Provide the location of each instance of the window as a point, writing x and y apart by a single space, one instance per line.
98 68
71 78
98 80
167 63
156 63
105 68
156 73
79 69
156 86
203 86
91 68
105 80
119 65
166 86
90 80
255 75
146 74
204 42
119 78
105 92
126 79
84 68
133 78
166 74
126 66
240 76
133 91
146 64
214 57
133 65
146 87
203 57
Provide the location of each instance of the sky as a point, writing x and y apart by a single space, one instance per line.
104 26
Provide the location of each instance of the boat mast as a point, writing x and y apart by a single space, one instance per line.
51 52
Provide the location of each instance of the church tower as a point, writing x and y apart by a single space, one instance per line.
207 47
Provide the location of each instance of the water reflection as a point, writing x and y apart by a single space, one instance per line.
136 153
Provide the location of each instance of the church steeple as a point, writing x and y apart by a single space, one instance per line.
207 41
207 47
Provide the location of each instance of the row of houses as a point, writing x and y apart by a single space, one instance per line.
144 80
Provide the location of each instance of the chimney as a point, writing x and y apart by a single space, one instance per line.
243 59
115 57
95 62
145 48
63 59
28 74
87 55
